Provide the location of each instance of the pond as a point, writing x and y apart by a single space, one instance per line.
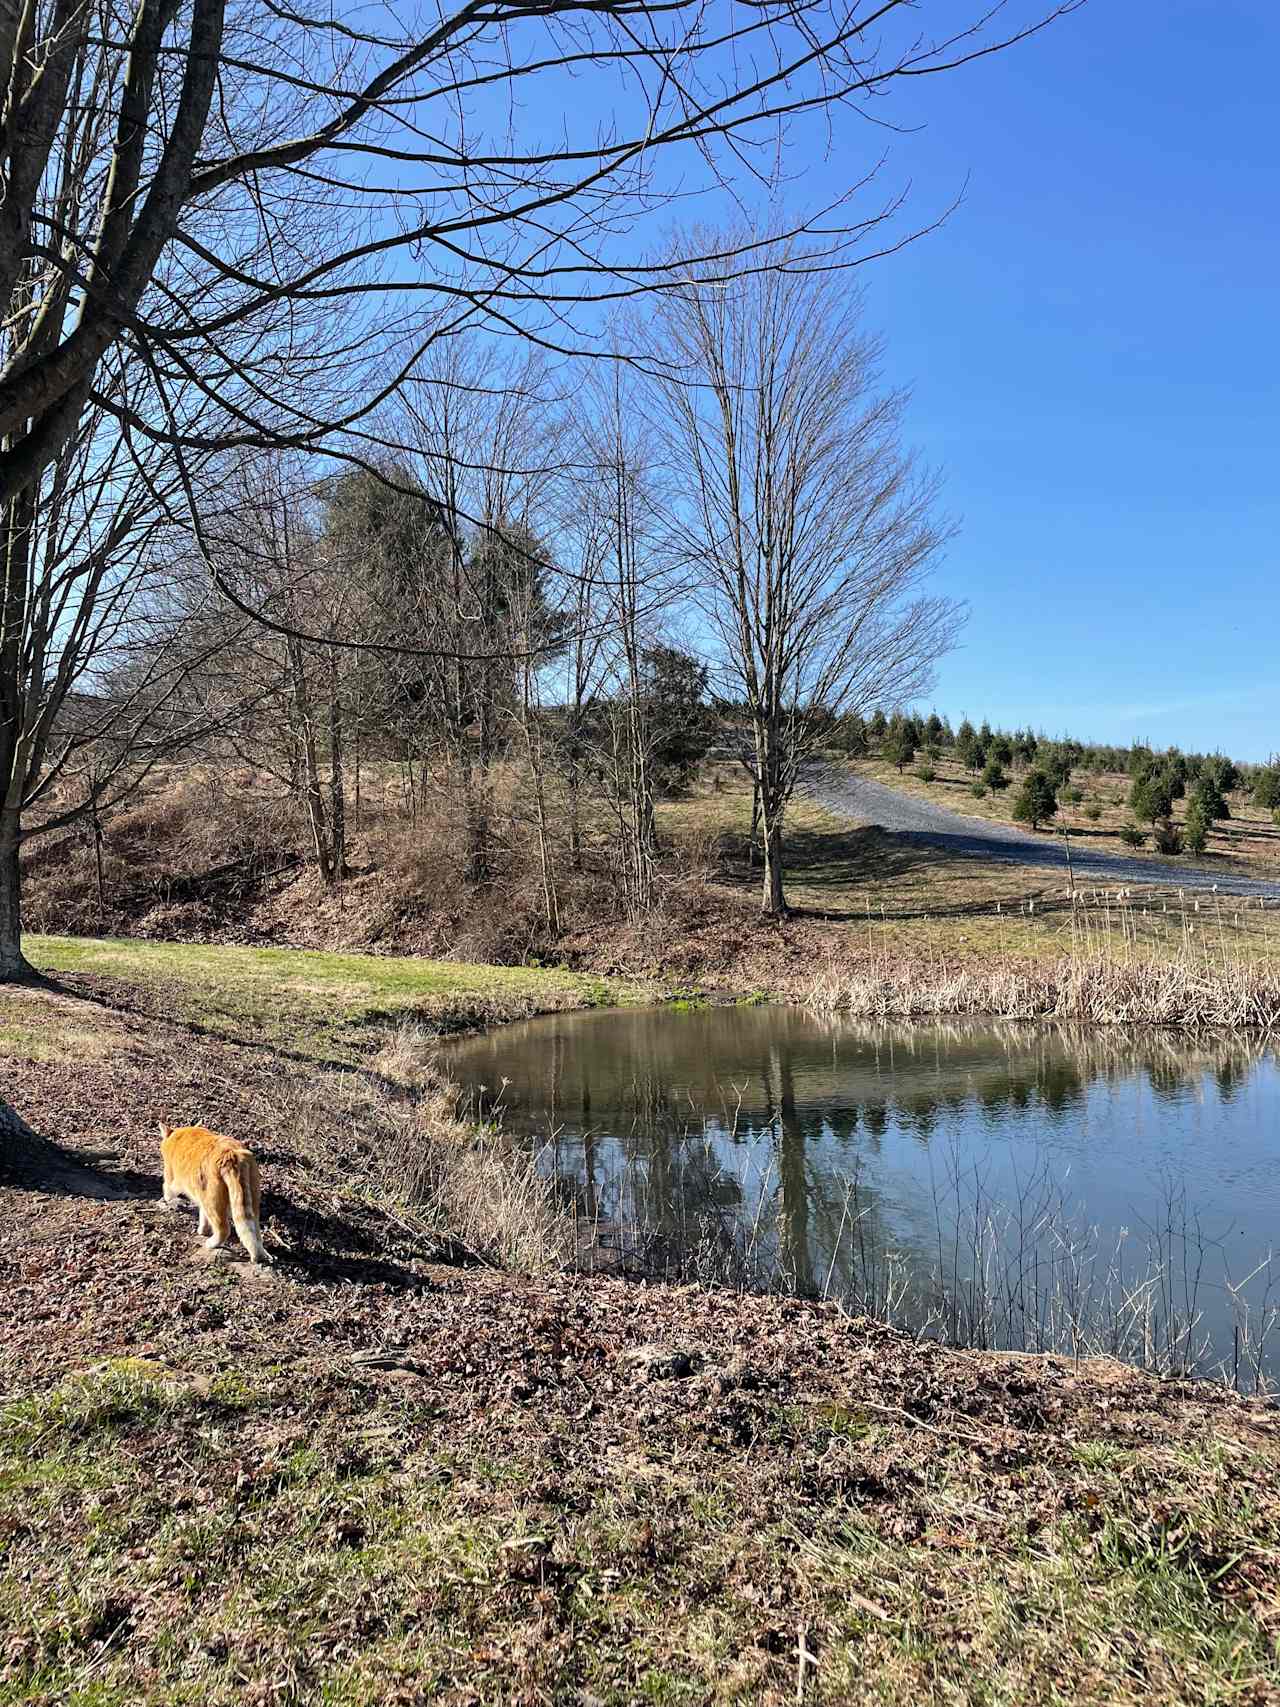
1033 1188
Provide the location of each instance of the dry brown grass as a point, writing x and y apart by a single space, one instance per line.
853 888
1093 989
395 1137
874 891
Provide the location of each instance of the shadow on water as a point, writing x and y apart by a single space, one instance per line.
1031 1188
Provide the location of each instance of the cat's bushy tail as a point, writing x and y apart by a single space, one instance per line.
241 1180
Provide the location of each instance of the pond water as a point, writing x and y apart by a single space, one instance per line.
1026 1187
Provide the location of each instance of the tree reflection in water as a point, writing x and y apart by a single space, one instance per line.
995 1183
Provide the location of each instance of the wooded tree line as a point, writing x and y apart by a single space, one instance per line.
231 230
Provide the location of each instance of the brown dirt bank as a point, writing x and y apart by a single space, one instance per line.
369 1476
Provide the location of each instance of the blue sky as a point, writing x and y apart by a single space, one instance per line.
1093 346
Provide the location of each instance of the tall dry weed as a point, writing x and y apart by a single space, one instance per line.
396 1138
1088 989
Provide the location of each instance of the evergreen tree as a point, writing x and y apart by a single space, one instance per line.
1142 761
968 748
1151 798
899 746
1195 835
1223 773
993 774
1056 763
1175 768
681 725
1209 797
851 735
1266 786
1036 801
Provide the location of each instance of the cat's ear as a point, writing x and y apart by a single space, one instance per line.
164 1131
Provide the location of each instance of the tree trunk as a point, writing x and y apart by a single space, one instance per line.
773 901
312 797
357 769
575 817
97 861
13 967
337 785
772 792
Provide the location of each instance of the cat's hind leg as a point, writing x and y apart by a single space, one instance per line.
217 1210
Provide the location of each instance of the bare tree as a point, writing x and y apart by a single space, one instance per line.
807 530
191 190
85 709
485 434
286 705
201 176
615 532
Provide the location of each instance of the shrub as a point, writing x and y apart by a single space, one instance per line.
1131 836
926 773
1093 812
978 790
1073 795
1037 800
1275 816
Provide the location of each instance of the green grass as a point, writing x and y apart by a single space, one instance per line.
314 1002
384 1557
33 1032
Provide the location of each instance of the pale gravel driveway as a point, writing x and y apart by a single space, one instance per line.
919 821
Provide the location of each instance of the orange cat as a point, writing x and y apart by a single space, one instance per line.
220 1177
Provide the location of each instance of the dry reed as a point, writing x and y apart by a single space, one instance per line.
395 1138
1108 976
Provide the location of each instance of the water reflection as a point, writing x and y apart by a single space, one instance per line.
990 1181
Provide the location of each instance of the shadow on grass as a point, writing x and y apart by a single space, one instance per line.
36 1163
119 996
323 1244
843 863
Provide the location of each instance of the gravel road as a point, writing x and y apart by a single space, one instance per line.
921 822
